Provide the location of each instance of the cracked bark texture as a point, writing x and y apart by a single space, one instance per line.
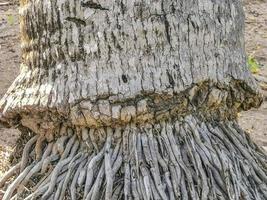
110 56
133 99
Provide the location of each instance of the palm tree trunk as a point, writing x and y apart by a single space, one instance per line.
133 100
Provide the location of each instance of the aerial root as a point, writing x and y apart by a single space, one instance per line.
188 158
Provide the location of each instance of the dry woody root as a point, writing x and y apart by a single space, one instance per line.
188 158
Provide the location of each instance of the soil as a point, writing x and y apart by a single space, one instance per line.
253 121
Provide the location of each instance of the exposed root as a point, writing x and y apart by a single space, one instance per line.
108 163
189 158
38 166
39 147
11 172
26 152
15 184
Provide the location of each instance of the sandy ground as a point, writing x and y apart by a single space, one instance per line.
254 121
9 68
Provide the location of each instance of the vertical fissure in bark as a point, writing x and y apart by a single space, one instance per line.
166 23
92 5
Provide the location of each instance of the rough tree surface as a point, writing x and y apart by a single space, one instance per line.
133 100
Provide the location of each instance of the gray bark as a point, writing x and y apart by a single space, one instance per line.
134 99
111 62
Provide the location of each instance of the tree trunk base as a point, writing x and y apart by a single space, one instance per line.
189 158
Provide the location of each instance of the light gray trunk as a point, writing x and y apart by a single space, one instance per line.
134 99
